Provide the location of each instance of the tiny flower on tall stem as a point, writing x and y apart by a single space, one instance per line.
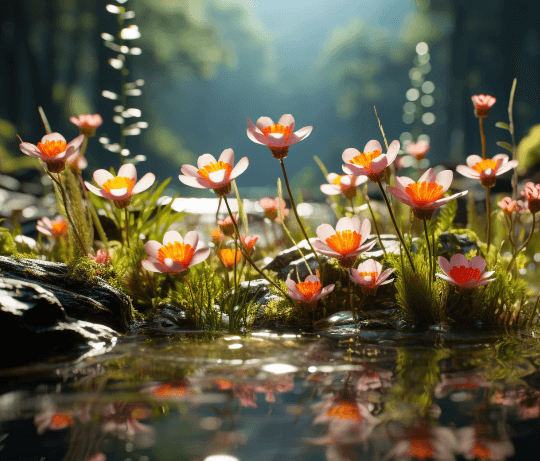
482 104
77 163
346 242
56 228
271 207
101 257
418 150
176 255
227 257
425 195
510 206
120 188
309 291
218 236
370 276
87 123
464 274
371 162
53 150
532 194
279 136
342 184
226 225
486 170
214 174
248 242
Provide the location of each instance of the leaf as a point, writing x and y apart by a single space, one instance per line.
243 215
321 165
446 218
505 145
280 195
300 197
502 125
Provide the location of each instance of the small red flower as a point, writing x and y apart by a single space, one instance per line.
226 225
271 207
418 150
464 274
87 123
482 104
532 194
227 257
56 228
248 242
510 206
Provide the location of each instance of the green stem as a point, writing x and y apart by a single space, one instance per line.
293 206
248 258
482 136
511 129
488 211
192 297
127 226
296 245
352 207
68 214
234 274
395 225
349 298
428 249
366 199
523 245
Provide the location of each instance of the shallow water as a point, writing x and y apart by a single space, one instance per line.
264 396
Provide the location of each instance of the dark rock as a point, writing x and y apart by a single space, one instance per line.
34 325
284 258
91 300
299 267
453 243
167 319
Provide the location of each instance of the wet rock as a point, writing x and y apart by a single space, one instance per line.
34 325
453 243
286 257
90 300
168 319
299 267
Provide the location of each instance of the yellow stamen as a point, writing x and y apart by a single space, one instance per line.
119 182
211 167
344 242
308 289
423 192
337 181
373 275
277 128
179 252
52 148
364 159
485 164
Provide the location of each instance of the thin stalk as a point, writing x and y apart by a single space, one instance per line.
352 206
429 251
488 210
434 247
349 298
248 258
293 206
366 199
523 245
68 214
482 136
395 225
192 296
234 275
296 245
511 129
127 226
218 207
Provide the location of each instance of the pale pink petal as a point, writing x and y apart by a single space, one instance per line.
384 275
478 262
324 249
277 139
30 149
365 247
76 143
467 172
473 160
371 266
364 228
227 156
171 237
331 176
255 134
190 170
301 134
198 183
503 157
192 239
93 189
393 150
290 284
483 282
444 178
152 247
401 196
446 278
445 264
359 180
345 224
240 167
264 122
379 163
487 274
296 295
507 167
442 201
372 146
75 120
401 182
287 120
144 183
349 154
428 176
205 159
312 278
458 260
327 289
119 194
199 256
356 170
330 189
324 231
43 230
102 176
218 177
52 137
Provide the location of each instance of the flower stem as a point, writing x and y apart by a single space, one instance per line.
192 297
234 274
482 136
488 211
127 226
68 214
366 199
248 258
523 245
296 245
429 250
395 225
349 297
293 206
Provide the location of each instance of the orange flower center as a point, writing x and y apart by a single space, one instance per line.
211 167
227 257
61 419
485 164
344 242
58 228
423 193
171 390
373 275
344 410
52 148
364 159
179 252
480 451
337 181
420 449
118 183
308 289
463 274
277 128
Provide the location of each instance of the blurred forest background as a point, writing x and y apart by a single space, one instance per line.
209 64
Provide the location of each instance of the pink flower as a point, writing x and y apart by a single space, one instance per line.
342 184
87 123
120 188
510 206
278 137
369 276
372 162
464 274
346 242
102 257
226 225
212 174
482 104
271 207
426 194
418 150
56 228
53 150
486 170
423 442
532 194
309 291
248 242
176 254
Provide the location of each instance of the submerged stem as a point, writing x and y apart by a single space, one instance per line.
127 226
488 211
